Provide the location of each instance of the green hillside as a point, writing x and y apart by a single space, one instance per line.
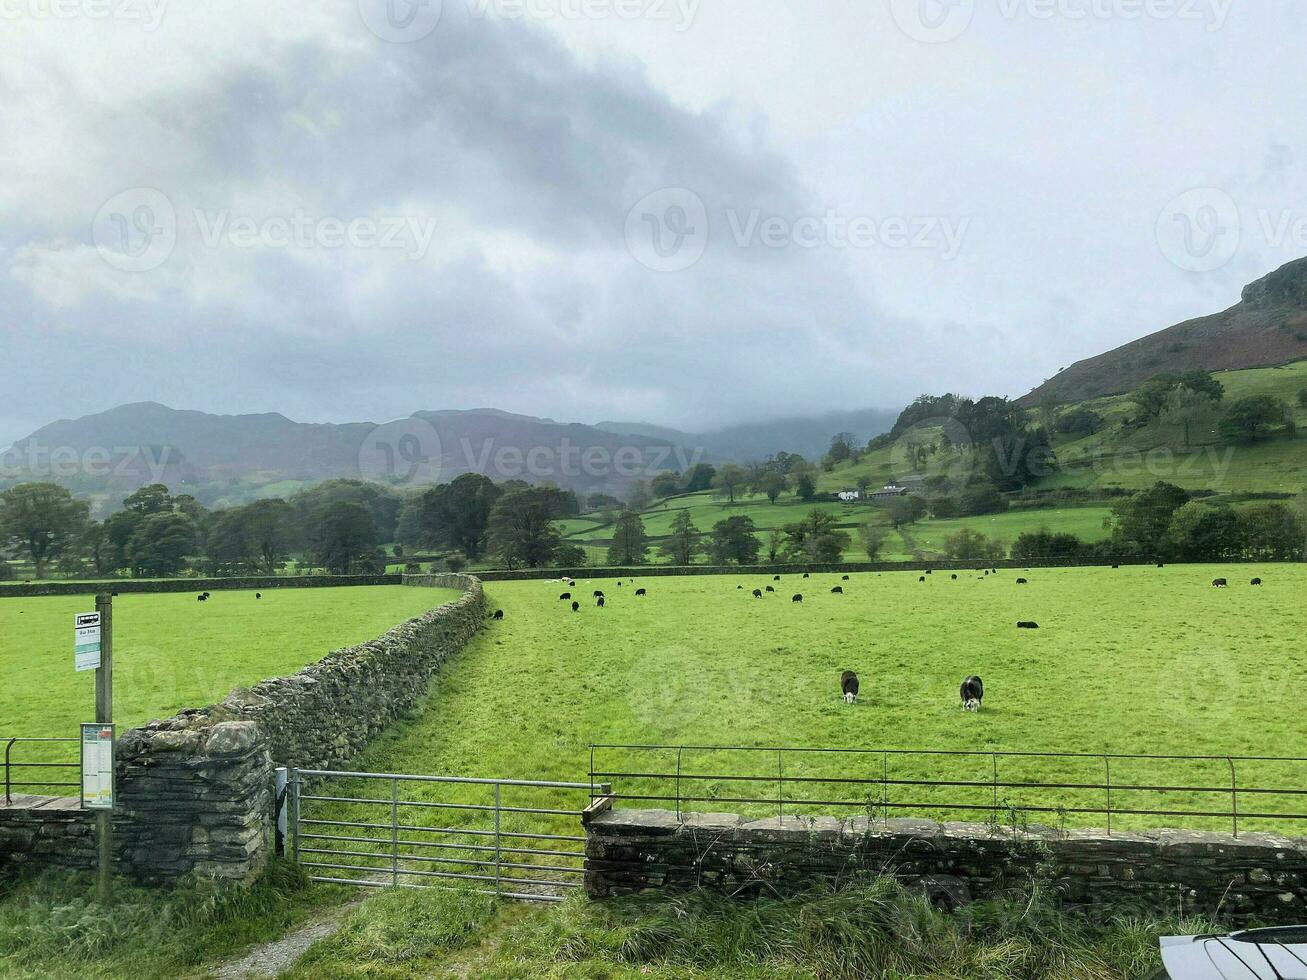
1094 472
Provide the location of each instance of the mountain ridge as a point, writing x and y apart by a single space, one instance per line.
1266 328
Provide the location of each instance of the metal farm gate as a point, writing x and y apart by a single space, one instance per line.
512 838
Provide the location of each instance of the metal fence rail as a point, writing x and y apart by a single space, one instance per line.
1003 786
10 766
503 837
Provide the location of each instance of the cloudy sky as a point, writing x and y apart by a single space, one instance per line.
690 212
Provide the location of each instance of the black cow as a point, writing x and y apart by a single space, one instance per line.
565 597
849 686
805 575
600 602
955 578
1027 626
201 598
797 598
757 593
770 589
838 590
576 606
598 594
1022 581
1220 583
258 595
499 614
775 578
972 693
846 578
922 579
1256 581
641 592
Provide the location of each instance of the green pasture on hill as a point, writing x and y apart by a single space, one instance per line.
172 652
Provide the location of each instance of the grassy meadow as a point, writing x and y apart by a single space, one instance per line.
1130 660
171 652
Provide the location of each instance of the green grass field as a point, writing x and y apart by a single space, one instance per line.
171 652
1085 523
1133 660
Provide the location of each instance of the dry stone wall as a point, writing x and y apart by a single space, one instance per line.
1253 876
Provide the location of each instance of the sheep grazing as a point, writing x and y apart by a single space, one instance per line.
640 592
845 578
972 693
1022 581
1220 583
598 594
955 578
757 593
1027 626
922 579
797 598
849 686
770 589
838 590
576 607
201 598
1256 581
775 578
499 614
600 602
565 597
805 575
258 595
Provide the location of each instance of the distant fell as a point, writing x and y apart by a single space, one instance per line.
1266 328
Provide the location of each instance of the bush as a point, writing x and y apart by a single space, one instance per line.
1302 397
943 508
970 545
1081 422
1256 418
981 499
6 571
456 561
1045 544
412 568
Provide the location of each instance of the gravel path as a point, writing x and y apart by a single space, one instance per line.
272 958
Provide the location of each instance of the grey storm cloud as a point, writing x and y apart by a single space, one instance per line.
364 228
521 163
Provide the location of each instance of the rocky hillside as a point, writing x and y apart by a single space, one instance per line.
1266 328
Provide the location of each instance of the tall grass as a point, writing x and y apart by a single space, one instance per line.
875 929
50 925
